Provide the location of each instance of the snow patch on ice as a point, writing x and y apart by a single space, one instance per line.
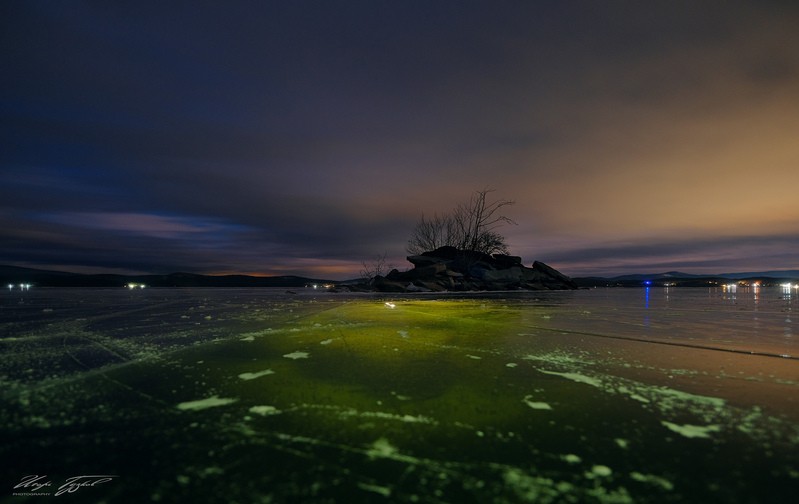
528 400
715 402
390 416
384 491
265 410
575 377
382 448
297 355
533 488
355 413
692 431
601 471
208 402
257 374
250 336
557 357
652 480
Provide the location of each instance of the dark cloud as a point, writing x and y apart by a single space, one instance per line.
304 136
699 255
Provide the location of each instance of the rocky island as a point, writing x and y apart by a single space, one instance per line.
450 269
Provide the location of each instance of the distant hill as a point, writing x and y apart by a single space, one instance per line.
787 274
48 278
657 276
45 278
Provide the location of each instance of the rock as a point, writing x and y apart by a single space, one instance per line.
423 260
446 253
551 273
428 271
504 276
507 261
436 286
448 268
383 284
411 287
394 274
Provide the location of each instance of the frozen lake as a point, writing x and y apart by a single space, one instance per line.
258 395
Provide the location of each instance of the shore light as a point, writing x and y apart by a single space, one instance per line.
786 287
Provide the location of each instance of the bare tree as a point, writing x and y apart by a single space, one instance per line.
377 268
470 227
432 233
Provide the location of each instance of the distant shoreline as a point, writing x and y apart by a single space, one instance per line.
13 275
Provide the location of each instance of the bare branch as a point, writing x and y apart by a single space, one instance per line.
376 268
470 226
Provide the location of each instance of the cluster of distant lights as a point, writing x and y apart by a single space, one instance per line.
756 285
132 286
734 286
22 286
324 286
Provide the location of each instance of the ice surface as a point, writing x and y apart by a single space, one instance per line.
591 396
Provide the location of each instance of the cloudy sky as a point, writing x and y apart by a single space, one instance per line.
299 137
